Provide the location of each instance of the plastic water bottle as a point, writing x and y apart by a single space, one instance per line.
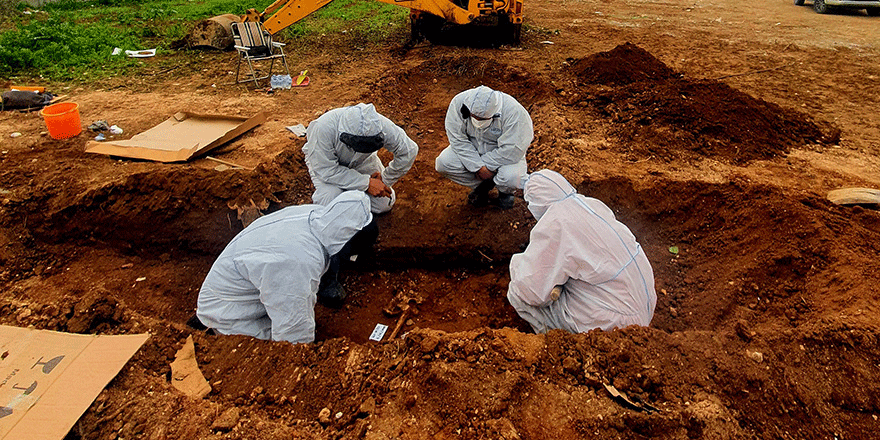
281 82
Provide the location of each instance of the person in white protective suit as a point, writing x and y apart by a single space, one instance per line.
264 283
340 152
582 268
489 133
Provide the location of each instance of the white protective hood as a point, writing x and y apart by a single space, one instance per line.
337 222
484 102
543 188
360 120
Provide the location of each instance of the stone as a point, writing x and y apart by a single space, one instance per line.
227 420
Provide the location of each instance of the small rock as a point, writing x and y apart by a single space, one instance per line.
338 415
324 416
367 407
409 322
24 314
743 331
160 433
570 364
756 356
227 420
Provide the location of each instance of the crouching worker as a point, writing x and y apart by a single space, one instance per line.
341 155
265 283
489 133
582 269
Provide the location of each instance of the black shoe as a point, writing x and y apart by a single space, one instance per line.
505 201
332 294
479 197
195 323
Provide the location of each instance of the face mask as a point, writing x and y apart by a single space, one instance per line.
480 125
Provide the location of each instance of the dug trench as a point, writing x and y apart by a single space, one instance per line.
763 293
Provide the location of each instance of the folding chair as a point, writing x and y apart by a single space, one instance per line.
253 44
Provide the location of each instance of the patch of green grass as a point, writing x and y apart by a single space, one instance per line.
73 39
371 20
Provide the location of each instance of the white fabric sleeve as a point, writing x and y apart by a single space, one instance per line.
543 265
402 147
456 133
516 136
287 290
324 163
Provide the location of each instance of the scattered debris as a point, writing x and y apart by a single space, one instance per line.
231 164
854 196
146 53
99 126
298 129
185 374
228 420
635 403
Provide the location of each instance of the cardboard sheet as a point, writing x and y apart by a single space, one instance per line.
180 138
49 379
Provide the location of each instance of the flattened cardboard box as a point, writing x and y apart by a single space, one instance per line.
179 138
49 379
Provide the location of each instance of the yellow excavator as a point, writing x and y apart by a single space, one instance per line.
427 17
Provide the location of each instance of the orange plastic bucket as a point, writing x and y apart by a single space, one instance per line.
62 120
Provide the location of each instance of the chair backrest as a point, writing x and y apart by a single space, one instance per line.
250 34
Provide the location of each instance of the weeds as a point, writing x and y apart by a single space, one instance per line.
74 38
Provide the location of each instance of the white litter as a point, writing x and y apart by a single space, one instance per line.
146 53
298 129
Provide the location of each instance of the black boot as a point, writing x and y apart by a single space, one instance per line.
330 291
505 201
361 244
479 197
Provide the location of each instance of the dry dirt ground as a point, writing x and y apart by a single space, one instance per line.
719 130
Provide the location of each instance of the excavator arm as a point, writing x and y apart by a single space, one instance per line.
284 13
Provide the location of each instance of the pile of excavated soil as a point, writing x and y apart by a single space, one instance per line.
659 113
625 64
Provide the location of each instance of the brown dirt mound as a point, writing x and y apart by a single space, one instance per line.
622 65
659 114
708 118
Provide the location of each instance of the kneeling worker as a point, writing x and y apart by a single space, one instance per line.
340 152
489 133
582 269
264 284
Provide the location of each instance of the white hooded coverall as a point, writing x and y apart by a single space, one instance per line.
335 167
577 243
500 147
264 283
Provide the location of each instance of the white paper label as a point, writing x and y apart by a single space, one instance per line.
379 332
